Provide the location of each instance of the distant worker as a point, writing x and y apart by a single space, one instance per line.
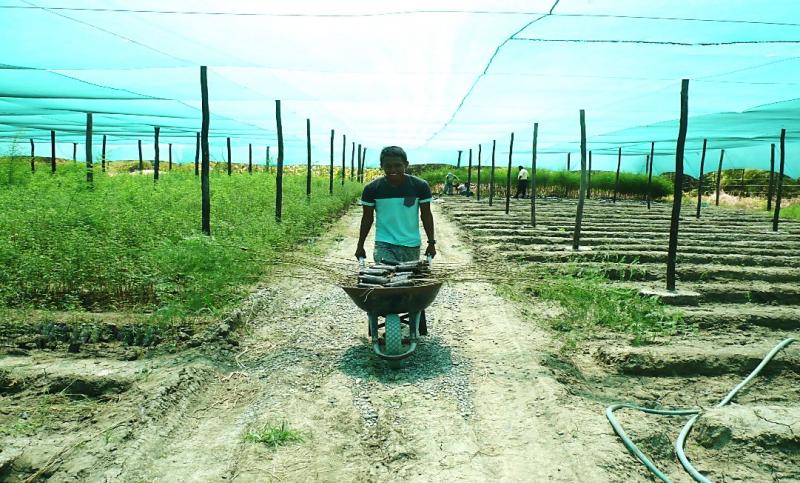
449 181
522 183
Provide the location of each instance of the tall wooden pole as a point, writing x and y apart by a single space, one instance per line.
566 184
352 160
344 155
508 174
279 175
249 157
779 188
533 173
491 174
141 158
677 195
469 173
156 160
363 164
330 171
458 163
650 173
700 179
719 173
616 179
576 236
230 161
33 157
52 151
74 152
479 172
771 175
204 166
89 165
589 178
267 162
308 157
197 155
169 165
103 156
358 175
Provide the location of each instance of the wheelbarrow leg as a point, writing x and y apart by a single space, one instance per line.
372 327
423 324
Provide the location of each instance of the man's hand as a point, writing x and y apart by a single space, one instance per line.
431 250
360 252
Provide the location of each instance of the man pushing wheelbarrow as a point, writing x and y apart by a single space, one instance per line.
394 202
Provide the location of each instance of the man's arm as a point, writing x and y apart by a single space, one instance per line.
427 223
367 217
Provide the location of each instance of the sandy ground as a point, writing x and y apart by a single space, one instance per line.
475 403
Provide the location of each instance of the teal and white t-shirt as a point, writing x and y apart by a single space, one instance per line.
397 209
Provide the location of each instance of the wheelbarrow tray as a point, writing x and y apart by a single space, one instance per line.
393 300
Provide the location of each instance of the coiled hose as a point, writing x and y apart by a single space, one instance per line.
696 413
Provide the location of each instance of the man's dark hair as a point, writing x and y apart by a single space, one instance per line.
393 152
520 167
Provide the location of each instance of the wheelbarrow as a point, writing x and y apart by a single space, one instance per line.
390 303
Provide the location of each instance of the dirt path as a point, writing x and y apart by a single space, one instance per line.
475 403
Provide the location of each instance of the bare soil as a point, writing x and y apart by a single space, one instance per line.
485 398
738 283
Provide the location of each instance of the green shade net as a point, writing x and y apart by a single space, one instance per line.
432 76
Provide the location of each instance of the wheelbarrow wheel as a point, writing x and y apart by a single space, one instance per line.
393 335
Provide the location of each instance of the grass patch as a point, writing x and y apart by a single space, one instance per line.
129 244
274 435
791 212
590 304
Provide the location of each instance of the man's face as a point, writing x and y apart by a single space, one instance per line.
395 169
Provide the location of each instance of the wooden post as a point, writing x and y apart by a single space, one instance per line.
358 165
533 173
469 173
771 175
508 174
308 157
352 160
719 173
230 162
576 236
89 165
197 156
279 175
74 152
33 157
650 173
779 188
344 155
156 161
744 188
491 174
52 151
249 157
677 194
267 162
103 156
616 179
204 167
330 171
169 166
141 159
458 163
566 184
700 179
479 172
363 164
589 178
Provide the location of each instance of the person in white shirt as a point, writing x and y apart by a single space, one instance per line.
522 183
